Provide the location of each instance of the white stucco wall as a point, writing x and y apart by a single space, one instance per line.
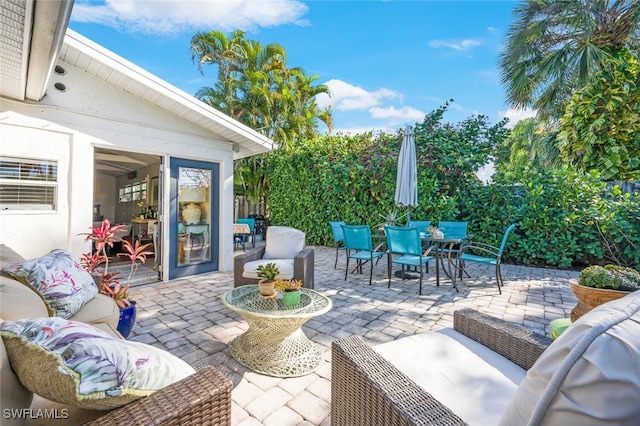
66 126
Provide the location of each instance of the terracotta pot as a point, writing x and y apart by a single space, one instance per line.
267 289
590 297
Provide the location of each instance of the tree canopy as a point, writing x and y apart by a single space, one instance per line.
255 86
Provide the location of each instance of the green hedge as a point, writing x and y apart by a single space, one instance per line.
564 219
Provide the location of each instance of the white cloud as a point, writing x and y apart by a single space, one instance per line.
515 115
465 44
176 16
347 97
404 114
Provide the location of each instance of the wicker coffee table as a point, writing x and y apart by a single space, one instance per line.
275 344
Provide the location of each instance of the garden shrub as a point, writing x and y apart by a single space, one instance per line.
564 218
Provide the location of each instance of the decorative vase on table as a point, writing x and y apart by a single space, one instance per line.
127 319
291 298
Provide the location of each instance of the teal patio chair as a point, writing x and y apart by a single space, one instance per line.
357 243
406 242
422 225
242 238
338 238
491 255
453 230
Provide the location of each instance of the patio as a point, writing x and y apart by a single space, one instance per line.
187 318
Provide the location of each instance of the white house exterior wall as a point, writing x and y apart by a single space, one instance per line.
66 126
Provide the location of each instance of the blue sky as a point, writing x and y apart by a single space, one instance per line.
387 63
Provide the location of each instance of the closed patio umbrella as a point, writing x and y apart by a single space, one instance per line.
407 178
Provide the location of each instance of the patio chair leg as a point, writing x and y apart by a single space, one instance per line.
335 265
371 272
498 277
420 286
346 271
389 269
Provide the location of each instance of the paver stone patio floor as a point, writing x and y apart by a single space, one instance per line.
187 318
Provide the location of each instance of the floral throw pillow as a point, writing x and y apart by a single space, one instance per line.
76 364
59 279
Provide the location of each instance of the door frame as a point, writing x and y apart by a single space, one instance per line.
175 270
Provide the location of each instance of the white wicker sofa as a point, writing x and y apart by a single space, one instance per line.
203 395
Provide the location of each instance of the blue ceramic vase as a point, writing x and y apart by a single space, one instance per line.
127 320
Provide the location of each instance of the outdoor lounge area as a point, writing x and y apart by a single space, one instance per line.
187 318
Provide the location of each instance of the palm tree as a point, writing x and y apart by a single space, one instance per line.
554 47
255 87
532 141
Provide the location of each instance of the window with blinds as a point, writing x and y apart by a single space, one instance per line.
28 184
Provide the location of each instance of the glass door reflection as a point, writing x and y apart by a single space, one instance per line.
194 218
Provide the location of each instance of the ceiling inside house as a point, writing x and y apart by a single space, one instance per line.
32 32
117 163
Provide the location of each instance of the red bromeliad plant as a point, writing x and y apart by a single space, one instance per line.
102 238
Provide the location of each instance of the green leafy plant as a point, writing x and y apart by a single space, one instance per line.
268 272
610 277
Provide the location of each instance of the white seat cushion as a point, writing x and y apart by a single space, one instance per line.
590 375
285 266
473 381
283 242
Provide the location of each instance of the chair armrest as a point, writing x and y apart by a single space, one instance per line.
303 267
367 390
478 248
203 397
238 265
516 343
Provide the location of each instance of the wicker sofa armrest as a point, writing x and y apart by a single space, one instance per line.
238 266
303 267
367 390
514 342
202 398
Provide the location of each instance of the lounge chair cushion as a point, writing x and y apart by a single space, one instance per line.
283 242
58 279
77 364
473 381
285 266
589 375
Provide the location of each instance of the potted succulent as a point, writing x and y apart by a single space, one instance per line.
597 285
267 276
109 283
290 290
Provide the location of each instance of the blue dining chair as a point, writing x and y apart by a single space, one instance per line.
406 242
453 230
491 255
357 243
338 238
242 238
422 225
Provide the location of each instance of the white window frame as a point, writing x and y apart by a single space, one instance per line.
138 191
20 178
